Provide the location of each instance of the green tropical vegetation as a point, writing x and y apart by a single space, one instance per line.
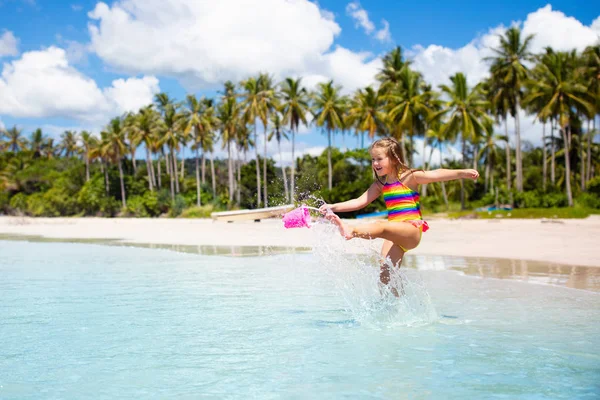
82 174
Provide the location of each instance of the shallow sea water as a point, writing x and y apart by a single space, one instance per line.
92 321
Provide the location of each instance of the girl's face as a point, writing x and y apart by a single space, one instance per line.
381 163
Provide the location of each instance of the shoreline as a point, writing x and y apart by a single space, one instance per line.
569 242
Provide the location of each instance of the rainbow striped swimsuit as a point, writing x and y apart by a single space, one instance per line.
402 203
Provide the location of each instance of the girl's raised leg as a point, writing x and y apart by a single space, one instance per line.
400 233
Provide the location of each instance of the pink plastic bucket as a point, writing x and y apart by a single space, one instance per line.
297 218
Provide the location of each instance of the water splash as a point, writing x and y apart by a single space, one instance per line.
354 266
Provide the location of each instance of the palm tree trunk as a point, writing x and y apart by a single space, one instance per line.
87 166
168 163
199 200
544 163
133 162
329 169
212 175
567 167
424 187
239 177
172 176
589 149
285 185
518 155
258 196
582 158
174 169
464 162
182 164
122 182
553 153
265 171
149 169
488 169
443 185
203 168
159 172
230 173
292 183
508 171
106 181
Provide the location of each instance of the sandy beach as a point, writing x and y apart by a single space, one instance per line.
573 242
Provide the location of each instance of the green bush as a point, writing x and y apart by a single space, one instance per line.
92 198
593 186
4 201
198 212
178 207
144 206
19 202
588 200
136 207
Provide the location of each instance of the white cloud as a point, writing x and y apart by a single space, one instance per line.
551 28
43 84
555 29
351 70
206 42
360 17
203 43
76 7
384 35
2 126
8 44
132 94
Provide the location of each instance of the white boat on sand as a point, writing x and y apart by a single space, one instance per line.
256 215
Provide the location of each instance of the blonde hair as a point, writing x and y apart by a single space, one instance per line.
393 151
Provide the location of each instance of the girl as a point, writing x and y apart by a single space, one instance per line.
398 183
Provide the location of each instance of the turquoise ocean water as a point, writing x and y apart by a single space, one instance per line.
84 321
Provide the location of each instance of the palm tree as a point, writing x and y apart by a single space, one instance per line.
329 113
295 108
229 116
146 128
243 141
87 142
467 114
592 76
169 135
268 102
393 65
408 105
279 133
490 153
69 143
116 146
14 140
557 86
508 66
36 142
439 136
253 110
200 120
129 122
366 112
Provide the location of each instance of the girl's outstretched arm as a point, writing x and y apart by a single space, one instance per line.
355 204
443 175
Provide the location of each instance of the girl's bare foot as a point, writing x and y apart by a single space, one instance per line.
346 232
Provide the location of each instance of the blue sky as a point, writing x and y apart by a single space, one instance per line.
58 74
